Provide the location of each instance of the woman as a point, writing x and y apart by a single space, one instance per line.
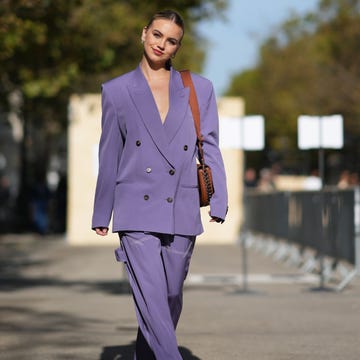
148 180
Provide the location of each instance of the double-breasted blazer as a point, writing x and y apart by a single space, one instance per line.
147 169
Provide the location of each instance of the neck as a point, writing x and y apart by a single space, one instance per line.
153 71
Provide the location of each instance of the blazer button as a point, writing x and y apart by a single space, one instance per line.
138 142
146 197
172 172
169 200
148 170
185 147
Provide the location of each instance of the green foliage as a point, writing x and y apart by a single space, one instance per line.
310 65
48 47
52 48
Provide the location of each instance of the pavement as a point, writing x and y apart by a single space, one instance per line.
64 302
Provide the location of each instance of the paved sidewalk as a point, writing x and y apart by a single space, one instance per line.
62 302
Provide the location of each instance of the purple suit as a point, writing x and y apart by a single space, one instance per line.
147 180
147 172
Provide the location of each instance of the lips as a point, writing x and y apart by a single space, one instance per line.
157 52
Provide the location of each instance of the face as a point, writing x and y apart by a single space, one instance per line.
161 40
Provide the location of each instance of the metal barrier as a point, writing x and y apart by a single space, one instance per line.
323 223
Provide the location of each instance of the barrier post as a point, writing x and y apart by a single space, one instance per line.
323 216
244 261
357 229
356 270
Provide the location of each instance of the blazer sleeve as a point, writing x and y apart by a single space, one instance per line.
110 150
210 132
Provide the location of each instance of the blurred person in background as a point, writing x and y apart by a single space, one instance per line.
354 179
266 181
4 203
344 180
250 180
348 179
148 180
40 197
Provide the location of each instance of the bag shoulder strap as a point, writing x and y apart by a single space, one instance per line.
194 105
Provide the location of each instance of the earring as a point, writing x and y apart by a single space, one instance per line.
173 56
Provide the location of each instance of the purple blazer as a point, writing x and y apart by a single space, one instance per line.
147 170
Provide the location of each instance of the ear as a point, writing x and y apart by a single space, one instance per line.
143 34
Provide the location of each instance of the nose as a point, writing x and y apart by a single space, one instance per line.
161 44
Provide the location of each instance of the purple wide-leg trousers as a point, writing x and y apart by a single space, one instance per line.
157 265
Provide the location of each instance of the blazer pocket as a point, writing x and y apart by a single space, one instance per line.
120 255
189 186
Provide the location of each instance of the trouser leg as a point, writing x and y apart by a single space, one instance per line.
176 255
157 266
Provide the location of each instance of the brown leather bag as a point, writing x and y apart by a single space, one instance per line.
205 182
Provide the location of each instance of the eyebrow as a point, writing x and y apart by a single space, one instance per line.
170 38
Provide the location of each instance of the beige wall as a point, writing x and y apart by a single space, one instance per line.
84 133
233 161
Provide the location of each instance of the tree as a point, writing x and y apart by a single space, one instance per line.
308 66
52 48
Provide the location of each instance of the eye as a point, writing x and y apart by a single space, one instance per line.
156 34
173 42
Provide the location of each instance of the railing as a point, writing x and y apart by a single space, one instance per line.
326 222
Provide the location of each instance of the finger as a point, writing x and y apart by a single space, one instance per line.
101 231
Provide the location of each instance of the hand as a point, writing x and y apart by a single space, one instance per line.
216 219
102 231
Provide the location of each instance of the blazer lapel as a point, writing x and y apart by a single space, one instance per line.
145 104
179 103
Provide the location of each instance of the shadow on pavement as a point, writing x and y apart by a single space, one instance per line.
19 282
37 330
126 352
18 257
15 260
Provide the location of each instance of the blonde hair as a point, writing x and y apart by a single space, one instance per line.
169 15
